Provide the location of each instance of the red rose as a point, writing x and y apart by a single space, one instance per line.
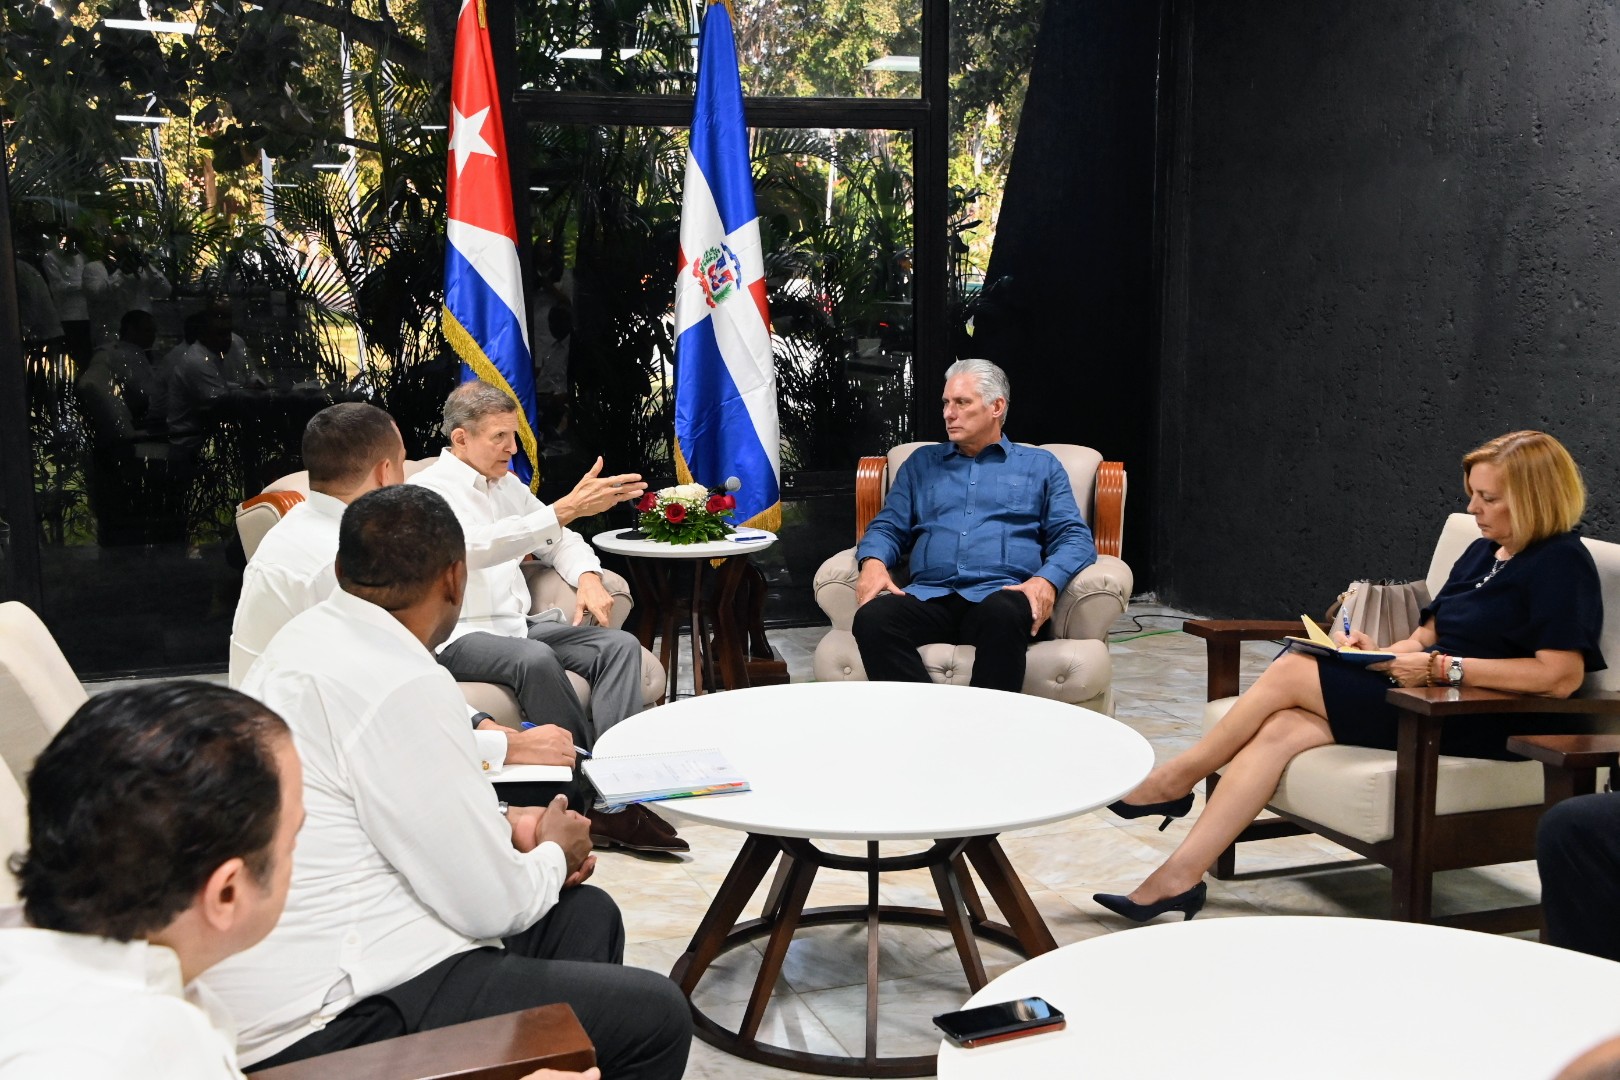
717 503
730 501
647 502
675 513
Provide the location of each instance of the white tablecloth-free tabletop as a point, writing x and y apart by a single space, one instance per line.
892 761
1285 998
712 549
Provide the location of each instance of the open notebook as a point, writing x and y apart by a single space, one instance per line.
1317 643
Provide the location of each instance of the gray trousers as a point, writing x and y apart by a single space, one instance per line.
534 669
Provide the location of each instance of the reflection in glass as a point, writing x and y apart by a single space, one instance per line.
836 222
218 233
789 48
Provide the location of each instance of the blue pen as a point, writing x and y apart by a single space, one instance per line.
1344 613
745 539
579 751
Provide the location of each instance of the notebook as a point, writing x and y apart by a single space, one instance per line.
676 774
1319 644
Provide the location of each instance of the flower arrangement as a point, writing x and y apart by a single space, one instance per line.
685 514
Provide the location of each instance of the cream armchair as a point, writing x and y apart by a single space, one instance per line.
38 692
1414 809
547 589
1074 666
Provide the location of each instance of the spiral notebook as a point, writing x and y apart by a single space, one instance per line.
676 774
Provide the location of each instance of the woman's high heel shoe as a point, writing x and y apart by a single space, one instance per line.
1171 810
1188 903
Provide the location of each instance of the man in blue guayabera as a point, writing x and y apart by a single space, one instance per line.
993 533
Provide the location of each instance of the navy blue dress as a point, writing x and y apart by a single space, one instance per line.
1545 597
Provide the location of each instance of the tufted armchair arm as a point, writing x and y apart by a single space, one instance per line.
547 589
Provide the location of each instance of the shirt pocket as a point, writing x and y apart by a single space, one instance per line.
1015 493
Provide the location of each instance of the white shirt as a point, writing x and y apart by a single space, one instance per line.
404 859
290 573
80 1007
64 272
503 522
114 293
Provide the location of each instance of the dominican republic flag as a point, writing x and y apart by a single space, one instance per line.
725 381
484 317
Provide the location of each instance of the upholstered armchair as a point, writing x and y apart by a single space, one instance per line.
1414 809
38 692
1074 666
547 589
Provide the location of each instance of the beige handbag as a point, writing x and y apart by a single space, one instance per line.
1385 611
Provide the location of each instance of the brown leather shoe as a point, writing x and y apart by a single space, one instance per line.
635 829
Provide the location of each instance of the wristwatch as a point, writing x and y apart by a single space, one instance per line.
1454 671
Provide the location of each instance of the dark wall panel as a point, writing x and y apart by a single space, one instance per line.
1072 320
1395 232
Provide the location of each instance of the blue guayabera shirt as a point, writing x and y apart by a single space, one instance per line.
974 524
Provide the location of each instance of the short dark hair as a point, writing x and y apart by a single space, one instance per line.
343 442
134 318
394 542
142 795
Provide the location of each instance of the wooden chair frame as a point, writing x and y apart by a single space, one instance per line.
1423 842
1107 528
505 1047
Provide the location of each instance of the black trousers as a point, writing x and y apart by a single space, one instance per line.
638 1020
890 628
1578 854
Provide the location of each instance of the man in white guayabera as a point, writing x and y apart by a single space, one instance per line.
497 641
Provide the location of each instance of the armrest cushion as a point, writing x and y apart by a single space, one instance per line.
1093 599
505 1047
835 588
547 589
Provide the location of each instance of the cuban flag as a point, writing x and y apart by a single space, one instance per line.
484 317
725 380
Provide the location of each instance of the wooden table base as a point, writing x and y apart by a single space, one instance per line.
726 620
784 913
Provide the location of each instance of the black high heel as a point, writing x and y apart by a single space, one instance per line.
1188 903
1171 810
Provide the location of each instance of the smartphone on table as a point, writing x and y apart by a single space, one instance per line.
999 1022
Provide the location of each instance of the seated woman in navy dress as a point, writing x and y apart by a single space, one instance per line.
1522 611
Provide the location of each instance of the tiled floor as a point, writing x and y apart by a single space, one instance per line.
819 1002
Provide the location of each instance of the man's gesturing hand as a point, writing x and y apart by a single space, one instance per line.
874 579
592 598
572 833
1041 598
547 744
595 493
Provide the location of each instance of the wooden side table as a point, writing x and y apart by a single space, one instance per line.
729 648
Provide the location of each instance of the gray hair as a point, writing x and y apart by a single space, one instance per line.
990 379
470 402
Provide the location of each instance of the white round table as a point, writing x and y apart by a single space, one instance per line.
1280 997
948 765
725 653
